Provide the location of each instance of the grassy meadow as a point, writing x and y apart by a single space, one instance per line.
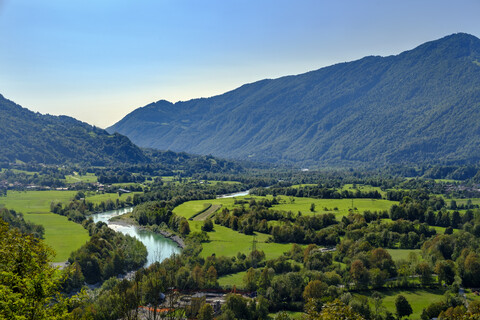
227 242
343 206
60 234
419 299
402 254
75 178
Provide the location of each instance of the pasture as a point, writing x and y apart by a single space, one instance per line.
60 234
419 299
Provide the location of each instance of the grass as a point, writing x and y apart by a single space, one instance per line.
214 182
402 254
75 178
227 242
190 208
96 198
29 202
343 205
364 188
419 299
471 296
296 186
230 280
62 235
291 314
463 201
209 211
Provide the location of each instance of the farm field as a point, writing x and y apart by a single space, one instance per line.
294 204
60 234
291 314
225 241
364 188
343 205
99 197
234 279
418 299
75 178
402 254
190 208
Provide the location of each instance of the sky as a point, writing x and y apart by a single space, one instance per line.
98 60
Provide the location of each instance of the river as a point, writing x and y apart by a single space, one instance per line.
159 248
236 194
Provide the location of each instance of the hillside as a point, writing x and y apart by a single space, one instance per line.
33 137
422 105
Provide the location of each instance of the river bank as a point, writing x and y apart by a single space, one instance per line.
159 245
130 222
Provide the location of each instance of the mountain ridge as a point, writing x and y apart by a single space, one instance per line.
384 110
33 137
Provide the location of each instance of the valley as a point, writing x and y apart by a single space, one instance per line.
348 192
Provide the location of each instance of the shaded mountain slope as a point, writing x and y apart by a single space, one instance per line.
422 105
33 137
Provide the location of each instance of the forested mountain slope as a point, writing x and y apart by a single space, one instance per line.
422 105
33 137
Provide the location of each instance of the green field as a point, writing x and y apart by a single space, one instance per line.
34 201
463 201
230 280
364 188
62 235
227 242
96 198
214 182
418 299
291 314
75 178
343 205
190 208
296 186
294 204
402 254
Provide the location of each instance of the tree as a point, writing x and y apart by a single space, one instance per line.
312 207
235 307
207 225
402 307
184 227
359 273
334 310
425 272
211 277
315 289
445 270
377 303
250 280
206 312
282 315
29 286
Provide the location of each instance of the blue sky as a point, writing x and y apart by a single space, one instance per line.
99 60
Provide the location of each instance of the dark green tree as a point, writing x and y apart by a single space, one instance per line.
402 307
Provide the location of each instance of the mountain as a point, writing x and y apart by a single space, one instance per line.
32 137
422 105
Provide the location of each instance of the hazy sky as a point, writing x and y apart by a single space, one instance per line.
97 60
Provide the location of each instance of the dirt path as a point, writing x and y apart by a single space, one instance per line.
207 213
